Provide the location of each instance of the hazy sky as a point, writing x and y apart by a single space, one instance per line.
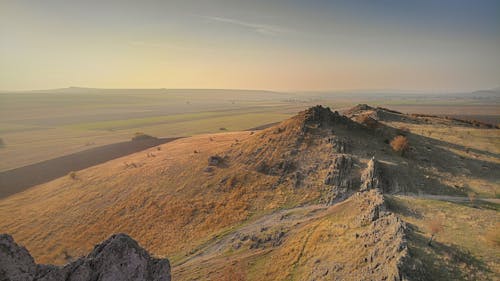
437 45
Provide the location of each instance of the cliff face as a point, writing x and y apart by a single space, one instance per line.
118 258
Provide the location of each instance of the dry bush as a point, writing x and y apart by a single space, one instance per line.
472 198
400 144
72 175
369 122
435 226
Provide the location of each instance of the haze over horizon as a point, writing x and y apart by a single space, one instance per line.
280 45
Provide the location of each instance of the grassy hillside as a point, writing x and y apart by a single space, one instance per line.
468 244
297 201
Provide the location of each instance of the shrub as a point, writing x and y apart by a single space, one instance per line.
369 122
472 198
400 144
142 136
2 143
72 175
435 226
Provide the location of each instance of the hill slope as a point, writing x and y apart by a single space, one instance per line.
301 200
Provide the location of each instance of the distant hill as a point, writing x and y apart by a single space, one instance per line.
493 92
83 90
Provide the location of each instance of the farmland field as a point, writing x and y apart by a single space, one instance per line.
40 125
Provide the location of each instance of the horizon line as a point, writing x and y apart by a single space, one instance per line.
357 90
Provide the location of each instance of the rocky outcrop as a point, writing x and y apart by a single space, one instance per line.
339 144
360 108
373 206
385 234
377 249
340 177
321 117
118 258
215 160
372 176
16 262
339 172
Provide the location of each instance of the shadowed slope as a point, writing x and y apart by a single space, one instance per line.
19 179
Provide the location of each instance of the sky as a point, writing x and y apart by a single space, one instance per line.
294 45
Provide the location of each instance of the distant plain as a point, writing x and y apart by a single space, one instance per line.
40 125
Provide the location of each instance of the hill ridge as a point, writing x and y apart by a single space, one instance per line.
303 198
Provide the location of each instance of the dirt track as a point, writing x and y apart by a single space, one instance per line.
281 218
19 179
457 199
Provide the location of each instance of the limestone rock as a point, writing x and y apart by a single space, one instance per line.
341 177
340 145
118 258
339 172
372 176
16 263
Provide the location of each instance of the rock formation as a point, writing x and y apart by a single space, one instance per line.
118 258
339 172
340 145
340 177
372 176
387 233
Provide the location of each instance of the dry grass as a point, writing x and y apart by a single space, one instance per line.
325 245
158 202
166 202
233 273
465 245
493 235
